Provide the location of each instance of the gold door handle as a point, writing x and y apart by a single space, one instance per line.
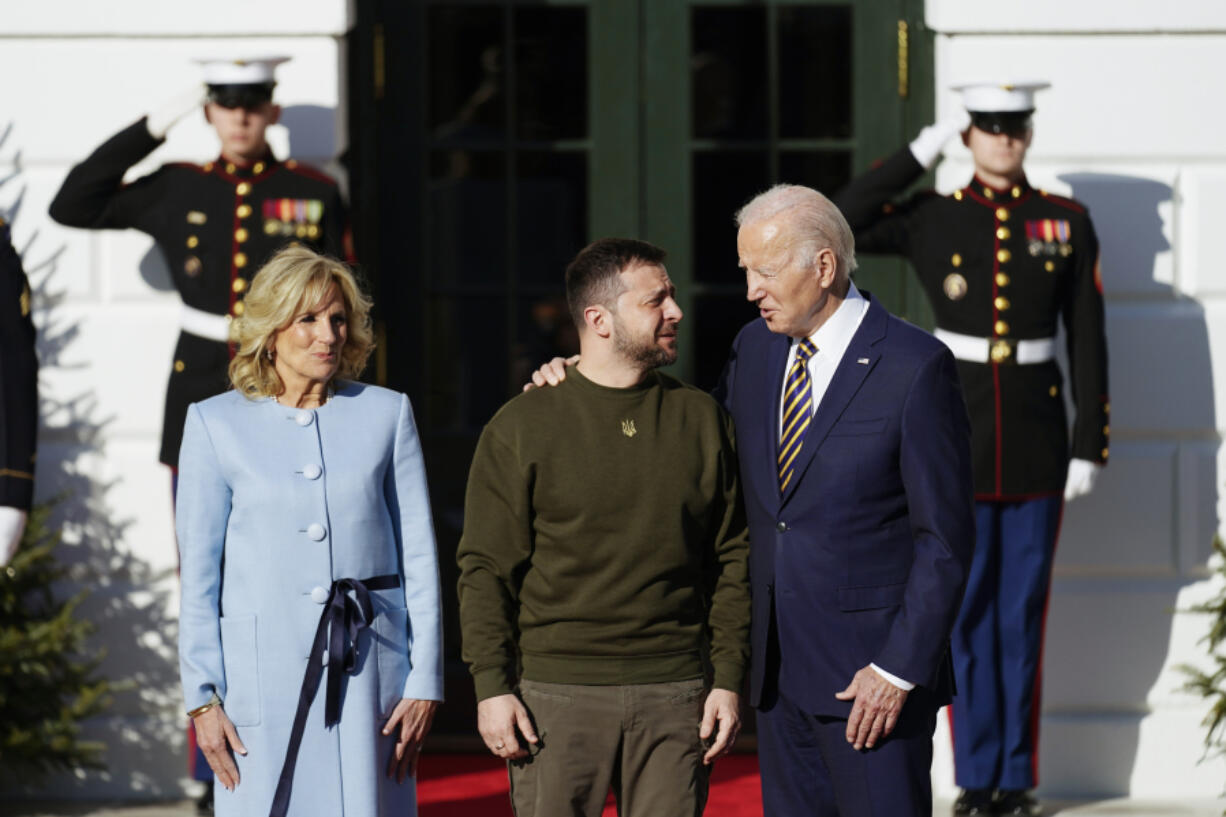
904 49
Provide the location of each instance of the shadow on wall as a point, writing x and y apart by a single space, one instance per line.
312 138
128 600
1128 549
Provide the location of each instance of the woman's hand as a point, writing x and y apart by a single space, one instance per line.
216 736
414 718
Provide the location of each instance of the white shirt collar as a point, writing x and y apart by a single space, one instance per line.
836 333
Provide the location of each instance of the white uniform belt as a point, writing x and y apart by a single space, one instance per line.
997 350
204 324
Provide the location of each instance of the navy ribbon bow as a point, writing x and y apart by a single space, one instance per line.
347 612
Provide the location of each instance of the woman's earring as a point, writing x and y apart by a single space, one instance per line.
268 352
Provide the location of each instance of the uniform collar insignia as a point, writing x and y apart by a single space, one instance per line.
240 170
997 194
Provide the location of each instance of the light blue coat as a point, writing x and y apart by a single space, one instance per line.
275 503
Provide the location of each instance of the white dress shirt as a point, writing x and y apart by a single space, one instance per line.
832 339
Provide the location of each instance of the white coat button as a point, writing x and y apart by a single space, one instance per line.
303 418
319 595
312 471
316 531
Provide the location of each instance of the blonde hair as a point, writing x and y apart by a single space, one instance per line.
294 281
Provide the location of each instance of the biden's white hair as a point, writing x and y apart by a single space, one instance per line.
811 223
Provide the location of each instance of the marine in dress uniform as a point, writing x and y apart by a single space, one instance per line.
216 223
18 397
1002 263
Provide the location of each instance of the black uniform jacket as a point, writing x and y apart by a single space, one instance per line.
18 380
1003 265
216 225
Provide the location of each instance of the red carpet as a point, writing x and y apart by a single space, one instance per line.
476 786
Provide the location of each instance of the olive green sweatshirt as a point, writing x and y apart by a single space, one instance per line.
605 540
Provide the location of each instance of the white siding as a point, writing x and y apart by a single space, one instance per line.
1132 127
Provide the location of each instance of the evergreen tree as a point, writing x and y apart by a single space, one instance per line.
48 684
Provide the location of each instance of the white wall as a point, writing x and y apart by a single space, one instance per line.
77 71
1133 126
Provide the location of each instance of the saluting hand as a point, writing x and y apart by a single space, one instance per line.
216 736
875 713
414 718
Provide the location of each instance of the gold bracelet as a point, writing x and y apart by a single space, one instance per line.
200 710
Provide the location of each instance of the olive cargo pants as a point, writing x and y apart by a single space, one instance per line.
641 739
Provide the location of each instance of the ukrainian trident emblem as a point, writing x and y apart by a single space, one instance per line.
628 428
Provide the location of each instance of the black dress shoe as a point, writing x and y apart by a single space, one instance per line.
1018 803
974 803
204 803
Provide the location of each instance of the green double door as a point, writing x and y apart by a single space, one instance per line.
491 141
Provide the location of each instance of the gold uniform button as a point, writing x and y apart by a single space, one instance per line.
1106 408
1050 266
956 259
1053 391
240 235
1016 192
1107 430
988 194
1002 280
243 210
243 188
237 309
1104 453
192 242
229 167
1003 233
1002 304
1002 328
259 167
240 284
1002 214
240 260
957 195
180 365
1003 256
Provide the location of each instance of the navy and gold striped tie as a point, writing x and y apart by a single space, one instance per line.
797 411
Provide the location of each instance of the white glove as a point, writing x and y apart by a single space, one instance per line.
161 118
1081 476
930 143
12 525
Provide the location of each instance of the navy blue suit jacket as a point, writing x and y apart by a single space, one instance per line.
865 557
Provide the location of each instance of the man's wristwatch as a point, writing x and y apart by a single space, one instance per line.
200 710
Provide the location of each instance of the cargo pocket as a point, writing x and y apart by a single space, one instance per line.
392 651
239 653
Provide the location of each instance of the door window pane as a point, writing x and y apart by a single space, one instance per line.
550 72
467 362
825 171
716 321
551 213
722 183
728 72
467 72
467 217
814 76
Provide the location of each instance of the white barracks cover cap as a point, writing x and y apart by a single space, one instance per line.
245 71
1000 97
